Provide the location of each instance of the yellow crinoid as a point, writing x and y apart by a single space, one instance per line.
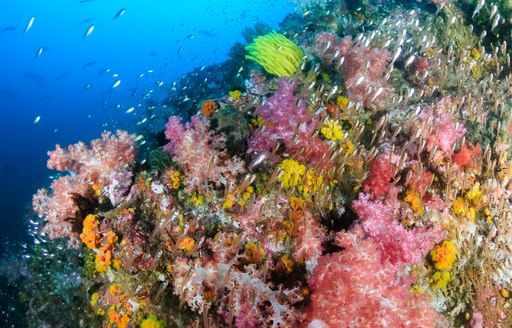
277 54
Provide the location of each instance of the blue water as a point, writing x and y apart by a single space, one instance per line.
69 85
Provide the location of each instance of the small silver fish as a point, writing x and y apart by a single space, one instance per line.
119 13
131 109
494 10
38 118
88 31
39 52
258 160
409 61
479 6
359 80
29 24
116 84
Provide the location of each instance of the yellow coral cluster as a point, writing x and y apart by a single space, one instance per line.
310 184
332 130
444 255
231 199
293 173
254 253
297 175
235 95
467 206
176 179
342 102
440 279
152 322
277 54
187 244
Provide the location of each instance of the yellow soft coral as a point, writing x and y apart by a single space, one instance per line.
342 102
277 54
332 130
444 255
293 173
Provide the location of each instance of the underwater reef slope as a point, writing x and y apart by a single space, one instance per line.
359 177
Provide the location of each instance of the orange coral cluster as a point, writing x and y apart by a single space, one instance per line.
208 107
90 235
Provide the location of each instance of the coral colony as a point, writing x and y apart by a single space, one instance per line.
359 176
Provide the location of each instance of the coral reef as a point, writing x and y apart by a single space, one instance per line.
366 185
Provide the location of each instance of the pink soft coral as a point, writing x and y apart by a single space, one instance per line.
288 121
202 155
103 163
397 244
446 132
357 288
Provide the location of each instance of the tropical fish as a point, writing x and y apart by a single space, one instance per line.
29 24
119 13
88 31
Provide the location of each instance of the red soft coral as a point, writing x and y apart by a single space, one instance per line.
378 182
